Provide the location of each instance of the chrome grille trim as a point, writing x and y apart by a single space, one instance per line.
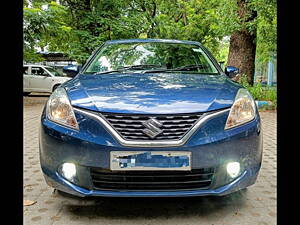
151 127
151 143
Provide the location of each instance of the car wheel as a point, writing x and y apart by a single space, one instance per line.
55 86
26 93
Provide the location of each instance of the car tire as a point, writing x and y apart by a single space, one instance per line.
26 93
55 86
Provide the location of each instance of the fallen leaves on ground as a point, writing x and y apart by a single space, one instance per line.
28 202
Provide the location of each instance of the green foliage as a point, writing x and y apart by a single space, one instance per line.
45 28
267 30
94 22
77 27
189 20
31 56
223 51
263 22
260 92
244 81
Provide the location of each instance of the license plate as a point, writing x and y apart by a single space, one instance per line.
147 160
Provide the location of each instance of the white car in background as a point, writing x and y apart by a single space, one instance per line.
39 78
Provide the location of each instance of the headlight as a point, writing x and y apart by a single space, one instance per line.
59 109
242 110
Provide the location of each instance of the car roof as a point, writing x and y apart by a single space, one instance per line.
152 40
46 66
33 65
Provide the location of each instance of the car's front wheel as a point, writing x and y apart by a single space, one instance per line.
55 86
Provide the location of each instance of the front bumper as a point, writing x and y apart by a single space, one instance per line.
211 146
246 179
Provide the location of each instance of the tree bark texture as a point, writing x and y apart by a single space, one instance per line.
242 53
242 46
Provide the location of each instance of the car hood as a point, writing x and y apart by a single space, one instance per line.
162 93
63 79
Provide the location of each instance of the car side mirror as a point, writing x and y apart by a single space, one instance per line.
72 70
231 71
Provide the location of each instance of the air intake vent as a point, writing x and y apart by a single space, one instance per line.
152 180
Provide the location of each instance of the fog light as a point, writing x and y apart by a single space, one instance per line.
69 171
233 169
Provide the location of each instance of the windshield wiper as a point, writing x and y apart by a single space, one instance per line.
140 66
183 68
189 67
133 67
109 71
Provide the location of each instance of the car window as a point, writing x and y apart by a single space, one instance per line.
38 71
55 72
25 70
157 55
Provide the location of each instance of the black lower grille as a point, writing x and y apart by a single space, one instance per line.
152 180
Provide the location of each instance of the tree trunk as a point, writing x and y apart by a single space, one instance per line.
242 53
242 46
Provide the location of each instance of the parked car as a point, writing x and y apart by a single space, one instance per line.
39 78
150 118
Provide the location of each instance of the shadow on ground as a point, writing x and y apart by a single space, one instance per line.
135 208
35 95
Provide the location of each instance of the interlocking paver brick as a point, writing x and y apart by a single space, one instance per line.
257 205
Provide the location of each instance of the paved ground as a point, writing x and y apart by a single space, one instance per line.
256 206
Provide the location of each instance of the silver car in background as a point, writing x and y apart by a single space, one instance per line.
39 78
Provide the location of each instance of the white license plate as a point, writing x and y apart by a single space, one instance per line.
147 160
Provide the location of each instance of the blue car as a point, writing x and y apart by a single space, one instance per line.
151 117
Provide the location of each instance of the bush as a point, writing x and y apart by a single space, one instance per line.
259 92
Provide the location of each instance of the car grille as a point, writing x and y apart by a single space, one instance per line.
152 180
130 126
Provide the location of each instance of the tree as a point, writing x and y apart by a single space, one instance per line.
94 22
44 28
186 20
244 21
266 29
77 27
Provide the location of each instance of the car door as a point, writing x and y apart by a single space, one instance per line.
41 80
26 86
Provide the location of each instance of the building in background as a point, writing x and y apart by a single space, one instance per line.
266 73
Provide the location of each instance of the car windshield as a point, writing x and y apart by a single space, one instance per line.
151 57
55 72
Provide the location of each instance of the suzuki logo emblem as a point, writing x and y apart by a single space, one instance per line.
152 127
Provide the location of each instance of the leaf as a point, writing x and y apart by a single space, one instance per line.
28 202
